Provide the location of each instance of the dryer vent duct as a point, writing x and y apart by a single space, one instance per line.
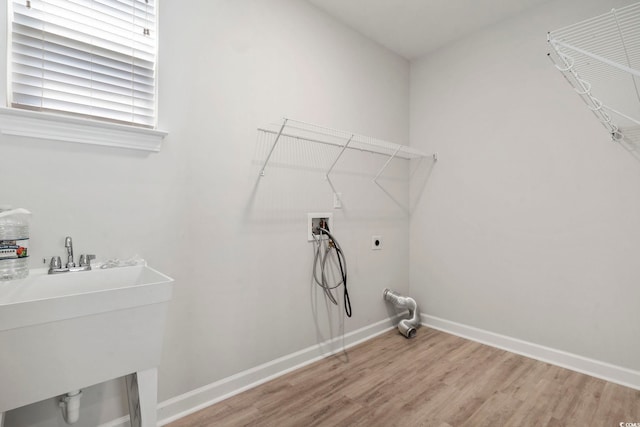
407 327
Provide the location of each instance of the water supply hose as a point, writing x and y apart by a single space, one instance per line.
320 260
407 327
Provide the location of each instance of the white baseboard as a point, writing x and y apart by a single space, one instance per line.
594 368
195 400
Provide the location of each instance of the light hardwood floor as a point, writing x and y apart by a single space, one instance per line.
435 379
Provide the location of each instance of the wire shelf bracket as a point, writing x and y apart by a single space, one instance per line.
346 145
284 123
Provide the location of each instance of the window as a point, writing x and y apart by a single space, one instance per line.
89 58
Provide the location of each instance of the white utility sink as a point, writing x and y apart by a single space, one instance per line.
67 331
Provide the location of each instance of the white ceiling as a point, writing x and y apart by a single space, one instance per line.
413 28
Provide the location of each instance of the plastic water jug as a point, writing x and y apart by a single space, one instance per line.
14 243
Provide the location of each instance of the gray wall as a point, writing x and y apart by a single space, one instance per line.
197 211
528 226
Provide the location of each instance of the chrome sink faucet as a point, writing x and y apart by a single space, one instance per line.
69 245
55 266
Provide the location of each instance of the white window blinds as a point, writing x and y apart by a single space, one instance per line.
94 58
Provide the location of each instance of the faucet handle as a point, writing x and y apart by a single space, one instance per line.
55 263
85 260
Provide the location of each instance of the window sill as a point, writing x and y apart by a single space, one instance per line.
71 129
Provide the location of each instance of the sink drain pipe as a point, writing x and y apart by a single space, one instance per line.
70 405
407 327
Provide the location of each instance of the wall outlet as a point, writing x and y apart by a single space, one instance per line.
337 200
315 220
376 243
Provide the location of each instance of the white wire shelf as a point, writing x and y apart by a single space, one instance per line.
600 58
303 131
